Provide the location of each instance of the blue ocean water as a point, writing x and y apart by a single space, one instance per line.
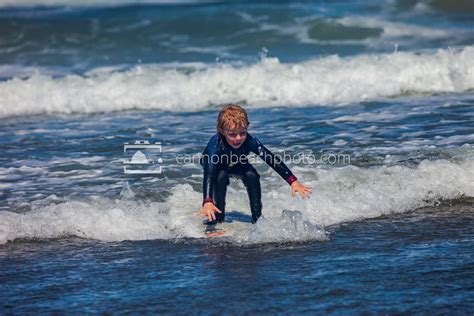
377 97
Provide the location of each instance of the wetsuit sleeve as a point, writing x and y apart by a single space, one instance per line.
273 161
209 165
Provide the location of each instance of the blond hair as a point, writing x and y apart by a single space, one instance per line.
230 117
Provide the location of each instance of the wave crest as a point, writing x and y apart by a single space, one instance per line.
340 195
326 81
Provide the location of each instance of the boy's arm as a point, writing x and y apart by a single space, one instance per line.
273 161
209 177
210 170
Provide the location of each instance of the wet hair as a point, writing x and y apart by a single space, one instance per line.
230 117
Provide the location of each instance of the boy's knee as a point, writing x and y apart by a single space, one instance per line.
252 176
223 178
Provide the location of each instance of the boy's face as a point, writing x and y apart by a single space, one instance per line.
236 136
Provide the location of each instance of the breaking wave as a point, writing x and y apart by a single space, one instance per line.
339 195
327 81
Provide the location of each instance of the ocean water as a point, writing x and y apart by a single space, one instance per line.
372 103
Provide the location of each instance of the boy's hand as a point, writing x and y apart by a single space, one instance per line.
303 190
208 210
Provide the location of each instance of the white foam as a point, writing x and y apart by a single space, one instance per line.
395 29
327 81
339 195
21 170
382 116
392 33
469 138
340 142
221 51
20 71
290 226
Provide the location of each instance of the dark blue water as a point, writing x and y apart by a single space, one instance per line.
419 262
78 38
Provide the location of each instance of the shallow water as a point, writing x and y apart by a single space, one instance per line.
421 261
352 258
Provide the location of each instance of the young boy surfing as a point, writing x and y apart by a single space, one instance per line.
226 155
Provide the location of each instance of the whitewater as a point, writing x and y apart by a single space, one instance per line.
330 81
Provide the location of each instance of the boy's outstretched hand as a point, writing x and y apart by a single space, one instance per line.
303 190
208 210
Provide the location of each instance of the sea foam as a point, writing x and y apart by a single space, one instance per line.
339 195
325 81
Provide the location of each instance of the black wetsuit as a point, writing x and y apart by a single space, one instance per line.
220 161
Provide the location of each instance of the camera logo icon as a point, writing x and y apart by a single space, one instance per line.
145 160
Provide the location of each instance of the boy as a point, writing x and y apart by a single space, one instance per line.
226 155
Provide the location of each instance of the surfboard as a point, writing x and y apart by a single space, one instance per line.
212 231
229 228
